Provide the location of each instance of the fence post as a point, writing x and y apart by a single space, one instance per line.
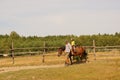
94 49
12 50
43 59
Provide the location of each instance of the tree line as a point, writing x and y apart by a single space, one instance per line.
57 40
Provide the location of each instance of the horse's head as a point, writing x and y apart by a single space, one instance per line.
60 51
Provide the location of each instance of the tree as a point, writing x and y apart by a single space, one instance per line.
14 35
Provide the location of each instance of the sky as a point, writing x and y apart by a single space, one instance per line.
59 17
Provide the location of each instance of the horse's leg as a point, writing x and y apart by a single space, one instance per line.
70 55
85 55
70 60
80 58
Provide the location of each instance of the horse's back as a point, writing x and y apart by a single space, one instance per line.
79 50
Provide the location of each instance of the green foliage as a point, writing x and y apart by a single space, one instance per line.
56 41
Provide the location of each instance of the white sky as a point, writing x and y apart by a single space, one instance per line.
59 17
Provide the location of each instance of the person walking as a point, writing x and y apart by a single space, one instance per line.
68 49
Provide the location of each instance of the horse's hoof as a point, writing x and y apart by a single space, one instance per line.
66 64
71 63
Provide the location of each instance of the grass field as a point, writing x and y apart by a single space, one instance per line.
31 60
97 70
101 69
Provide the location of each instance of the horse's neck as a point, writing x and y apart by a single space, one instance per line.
63 48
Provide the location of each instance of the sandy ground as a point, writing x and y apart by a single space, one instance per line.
8 69
90 59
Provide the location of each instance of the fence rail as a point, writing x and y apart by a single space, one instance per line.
43 50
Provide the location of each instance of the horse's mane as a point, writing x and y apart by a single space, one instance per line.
63 48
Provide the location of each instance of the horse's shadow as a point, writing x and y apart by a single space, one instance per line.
78 60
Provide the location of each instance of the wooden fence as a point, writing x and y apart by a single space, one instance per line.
43 51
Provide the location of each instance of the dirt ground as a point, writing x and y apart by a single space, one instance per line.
7 69
91 58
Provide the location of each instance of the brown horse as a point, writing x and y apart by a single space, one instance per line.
79 51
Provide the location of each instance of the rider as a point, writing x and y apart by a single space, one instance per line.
73 49
73 45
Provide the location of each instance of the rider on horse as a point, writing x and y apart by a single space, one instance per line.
69 49
73 45
78 52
